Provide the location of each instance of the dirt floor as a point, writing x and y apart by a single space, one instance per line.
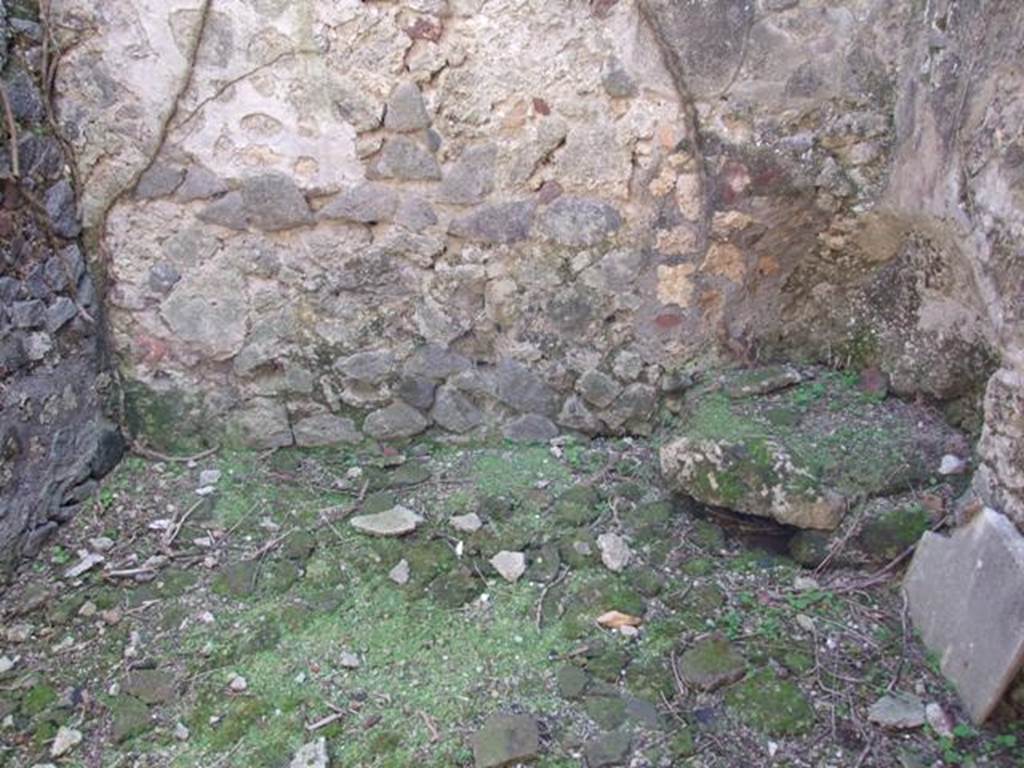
235 618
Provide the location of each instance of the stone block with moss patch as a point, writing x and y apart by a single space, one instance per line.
770 705
711 663
735 453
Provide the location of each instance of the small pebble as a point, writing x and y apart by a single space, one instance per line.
400 573
470 523
349 660
209 477
67 739
6 664
952 465
88 610
181 732
510 565
102 544
238 684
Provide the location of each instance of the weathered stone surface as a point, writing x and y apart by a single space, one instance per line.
54 367
312 755
200 184
635 405
228 211
718 473
415 213
711 663
496 223
208 314
471 178
801 224
510 565
454 411
771 705
417 391
779 455
578 222
159 180
406 111
60 207
599 389
397 521
899 711
405 160
367 204
435 362
272 202
609 749
325 429
530 428
576 415
152 686
506 739
468 523
966 595
262 425
615 551
523 390
368 367
395 422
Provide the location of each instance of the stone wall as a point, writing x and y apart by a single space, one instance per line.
328 220
54 442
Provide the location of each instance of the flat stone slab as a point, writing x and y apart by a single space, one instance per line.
966 595
397 521
899 711
505 740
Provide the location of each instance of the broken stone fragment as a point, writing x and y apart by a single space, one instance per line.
471 178
66 740
523 390
899 711
400 573
711 663
397 421
325 429
505 740
966 597
397 521
608 749
497 223
405 160
615 552
366 204
469 523
312 755
406 111
159 180
720 473
454 411
576 415
510 565
597 388
227 211
578 222
371 367
60 207
530 428
273 202
200 184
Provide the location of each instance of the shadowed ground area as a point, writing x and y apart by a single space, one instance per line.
238 614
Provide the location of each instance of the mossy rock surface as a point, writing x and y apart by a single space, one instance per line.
711 663
734 451
771 705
